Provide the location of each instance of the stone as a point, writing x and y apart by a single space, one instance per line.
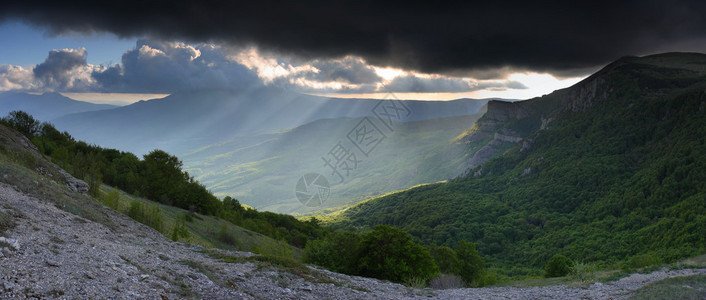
52 263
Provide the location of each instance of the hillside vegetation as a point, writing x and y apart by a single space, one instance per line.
264 175
179 207
609 171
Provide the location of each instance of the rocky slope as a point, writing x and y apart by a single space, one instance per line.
59 254
57 242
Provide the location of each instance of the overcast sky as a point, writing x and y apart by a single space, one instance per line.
432 50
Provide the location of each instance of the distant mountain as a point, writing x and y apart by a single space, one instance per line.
255 145
187 121
610 170
47 106
262 171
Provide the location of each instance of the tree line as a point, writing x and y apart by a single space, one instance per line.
384 252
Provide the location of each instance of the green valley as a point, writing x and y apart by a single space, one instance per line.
609 171
265 174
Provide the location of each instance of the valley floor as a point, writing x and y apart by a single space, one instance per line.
53 253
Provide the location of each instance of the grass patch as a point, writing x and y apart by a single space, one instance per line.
415 282
207 231
689 287
583 272
201 268
286 264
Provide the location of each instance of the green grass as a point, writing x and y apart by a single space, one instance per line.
204 230
19 168
590 275
690 287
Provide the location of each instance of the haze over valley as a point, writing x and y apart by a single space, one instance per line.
353 150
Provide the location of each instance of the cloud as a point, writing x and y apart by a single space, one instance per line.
350 69
559 36
64 69
155 66
439 84
16 78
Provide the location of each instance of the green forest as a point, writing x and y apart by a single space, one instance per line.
619 185
383 252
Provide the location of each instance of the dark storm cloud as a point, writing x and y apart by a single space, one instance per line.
559 36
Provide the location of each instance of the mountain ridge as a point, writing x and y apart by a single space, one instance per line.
47 106
602 171
215 116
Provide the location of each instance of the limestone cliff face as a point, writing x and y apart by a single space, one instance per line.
506 124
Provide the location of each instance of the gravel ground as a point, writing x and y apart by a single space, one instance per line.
52 253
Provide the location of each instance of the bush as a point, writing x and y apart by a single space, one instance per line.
336 252
643 260
389 253
179 230
416 282
150 216
583 272
445 258
276 249
226 237
558 266
112 199
470 265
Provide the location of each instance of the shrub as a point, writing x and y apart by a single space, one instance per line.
643 260
389 253
582 272
558 266
337 252
179 230
226 237
277 249
112 199
470 265
445 258
415 282
150 216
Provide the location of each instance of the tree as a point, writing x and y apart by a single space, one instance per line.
558 266
471 266
22 122
232 204
389 253
161 175
445 258
337 252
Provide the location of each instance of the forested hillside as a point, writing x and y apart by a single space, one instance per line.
610 171
188 212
